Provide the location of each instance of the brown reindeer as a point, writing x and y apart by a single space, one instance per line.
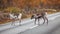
39 16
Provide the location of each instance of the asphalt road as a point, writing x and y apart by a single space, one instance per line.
57 31
52 28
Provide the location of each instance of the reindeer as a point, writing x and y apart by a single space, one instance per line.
15 17
39 16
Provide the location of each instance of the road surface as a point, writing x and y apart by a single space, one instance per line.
57 31
28 26
52 28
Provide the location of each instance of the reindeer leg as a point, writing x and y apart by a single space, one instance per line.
35 21
44 20
38 22
20 22
13 22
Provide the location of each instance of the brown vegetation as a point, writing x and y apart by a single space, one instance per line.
26 7
30 3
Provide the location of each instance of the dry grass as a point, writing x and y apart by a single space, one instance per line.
23 17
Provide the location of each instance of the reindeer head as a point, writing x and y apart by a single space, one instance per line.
32 16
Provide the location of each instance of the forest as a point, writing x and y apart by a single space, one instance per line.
27 7
30 3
